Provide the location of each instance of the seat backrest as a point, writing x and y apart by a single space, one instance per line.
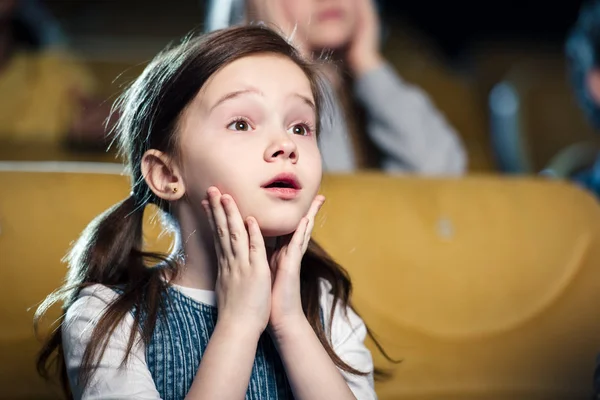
485 287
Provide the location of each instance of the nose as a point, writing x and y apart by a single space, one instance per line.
282 148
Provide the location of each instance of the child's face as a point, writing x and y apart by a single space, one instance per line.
253 120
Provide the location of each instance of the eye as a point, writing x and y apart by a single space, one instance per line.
300 129
239 125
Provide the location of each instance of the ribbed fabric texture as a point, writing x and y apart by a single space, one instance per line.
180 338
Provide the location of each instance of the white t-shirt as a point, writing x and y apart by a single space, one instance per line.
134 381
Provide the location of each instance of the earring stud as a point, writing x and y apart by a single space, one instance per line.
174 190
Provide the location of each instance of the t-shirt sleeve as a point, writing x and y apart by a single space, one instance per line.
347 336
111 380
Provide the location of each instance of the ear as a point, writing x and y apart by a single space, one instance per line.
162 175
593 85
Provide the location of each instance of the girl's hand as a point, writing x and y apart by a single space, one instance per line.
243 286
286 304
363 52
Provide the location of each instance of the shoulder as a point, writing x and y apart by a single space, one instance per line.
110 379
85 312
91 300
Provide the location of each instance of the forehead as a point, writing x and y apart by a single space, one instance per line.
272 74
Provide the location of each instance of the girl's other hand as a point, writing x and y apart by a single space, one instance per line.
286 304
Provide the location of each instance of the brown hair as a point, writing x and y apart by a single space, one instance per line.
109 251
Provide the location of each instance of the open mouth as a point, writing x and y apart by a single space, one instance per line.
283 181
284 184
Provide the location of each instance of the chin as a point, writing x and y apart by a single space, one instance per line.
272 226
331 38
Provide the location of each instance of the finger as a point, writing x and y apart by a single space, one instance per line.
211 222
221 229
311 215
238 236
315 206
297 240
257 251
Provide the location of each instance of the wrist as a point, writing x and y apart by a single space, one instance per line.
289 329
239 329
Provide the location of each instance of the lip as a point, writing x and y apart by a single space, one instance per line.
329 14
284 177
286 193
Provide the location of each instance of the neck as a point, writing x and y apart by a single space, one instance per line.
200 262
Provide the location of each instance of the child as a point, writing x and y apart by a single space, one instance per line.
381 121
220 133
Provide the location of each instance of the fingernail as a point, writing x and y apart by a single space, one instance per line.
225 199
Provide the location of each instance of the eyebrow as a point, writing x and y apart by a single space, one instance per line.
235 94
306 100
238 93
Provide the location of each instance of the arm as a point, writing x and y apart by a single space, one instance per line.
406 126
403 123
347 337
226 364
310 371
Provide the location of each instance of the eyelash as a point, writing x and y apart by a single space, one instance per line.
239 119
308 126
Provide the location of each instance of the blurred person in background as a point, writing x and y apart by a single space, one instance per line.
583 57
45 95
378 120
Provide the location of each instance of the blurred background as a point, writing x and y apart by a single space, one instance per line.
458 52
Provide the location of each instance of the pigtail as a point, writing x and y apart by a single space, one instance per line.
109 246
108 252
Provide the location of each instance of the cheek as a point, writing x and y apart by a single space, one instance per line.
299 12
221 166
312 166
350 22
200 167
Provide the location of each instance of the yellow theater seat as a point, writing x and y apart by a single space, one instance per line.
485 287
